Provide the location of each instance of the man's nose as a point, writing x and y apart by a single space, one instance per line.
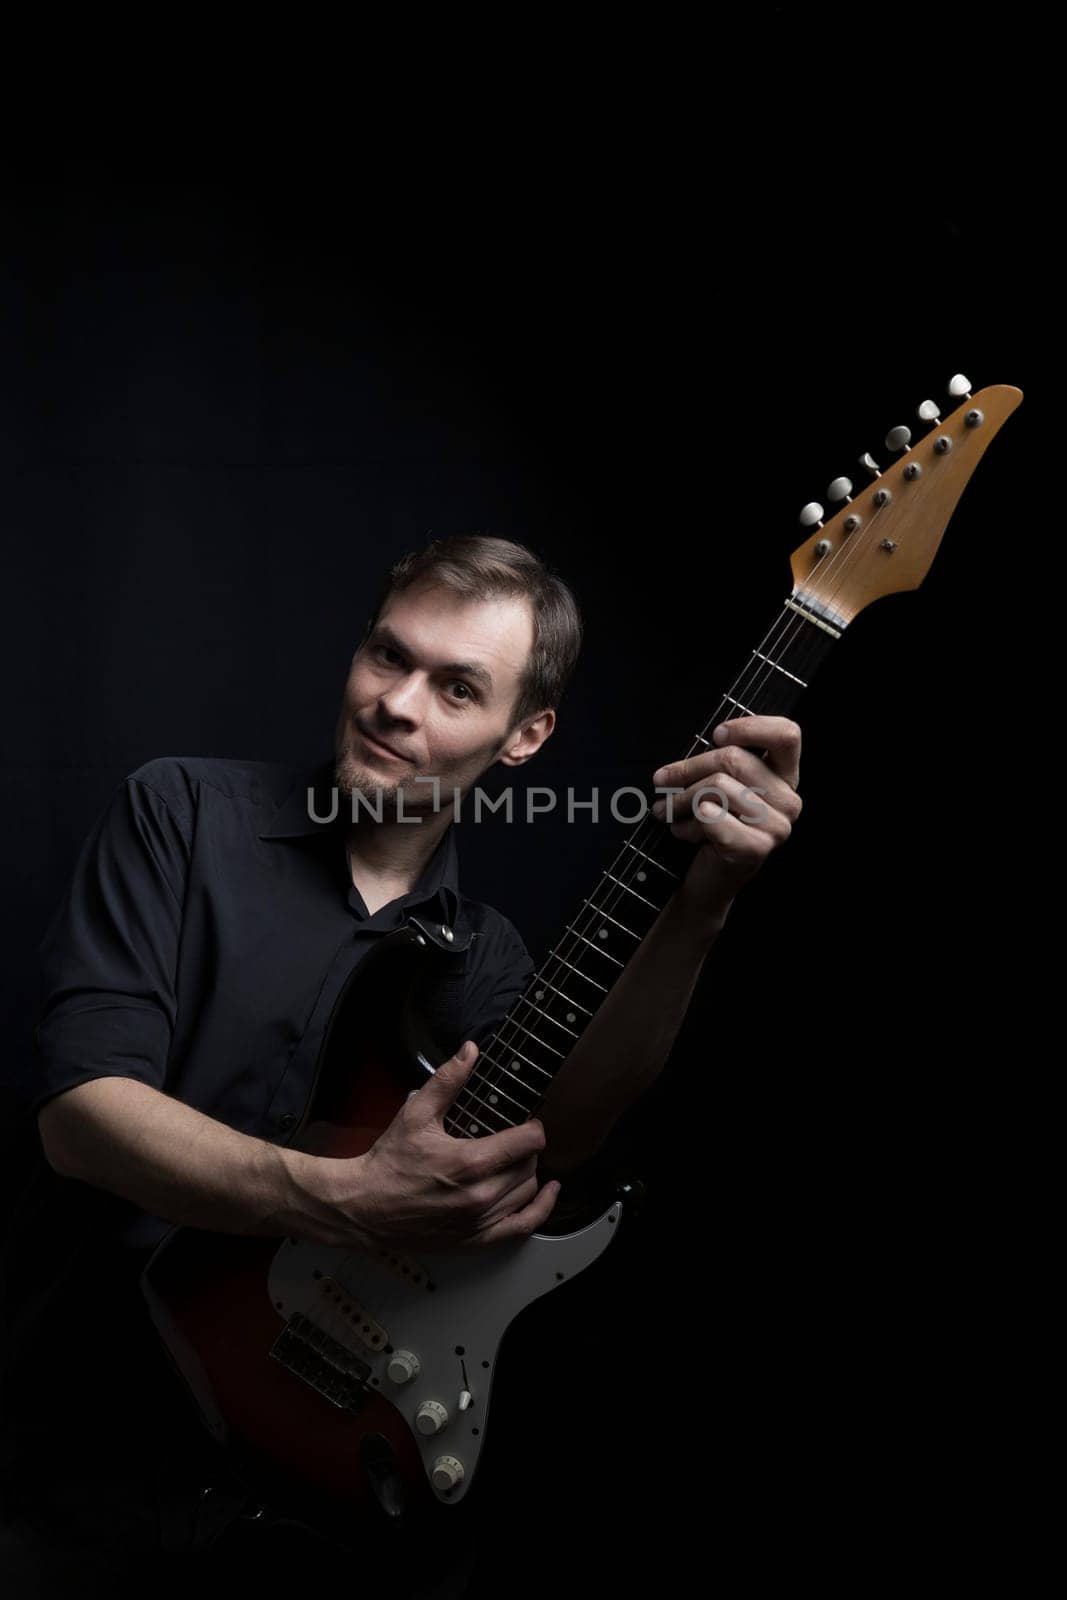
405 700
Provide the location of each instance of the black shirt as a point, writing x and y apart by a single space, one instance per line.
209 927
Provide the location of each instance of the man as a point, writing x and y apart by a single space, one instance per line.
212 922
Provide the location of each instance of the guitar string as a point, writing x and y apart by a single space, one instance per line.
792 625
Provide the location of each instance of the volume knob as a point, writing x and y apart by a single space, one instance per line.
403 1366
447 1473
431 1417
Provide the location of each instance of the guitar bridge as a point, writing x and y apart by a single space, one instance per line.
323 1363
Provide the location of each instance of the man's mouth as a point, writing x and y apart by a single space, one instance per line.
378 747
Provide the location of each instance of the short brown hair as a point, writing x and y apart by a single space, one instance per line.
481 568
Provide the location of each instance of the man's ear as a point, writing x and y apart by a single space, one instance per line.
525 741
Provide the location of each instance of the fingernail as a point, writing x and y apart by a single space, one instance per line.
660 775
721 734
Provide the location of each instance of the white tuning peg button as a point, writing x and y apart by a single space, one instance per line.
840 489
929 411
959 385
898 438
869 464
811 515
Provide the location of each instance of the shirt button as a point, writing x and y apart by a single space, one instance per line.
286 1121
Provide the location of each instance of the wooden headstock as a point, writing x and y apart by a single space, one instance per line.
883 540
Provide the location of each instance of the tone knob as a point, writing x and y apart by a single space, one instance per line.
811 515
898 438
403 1366
447 1473
431 1417
840 489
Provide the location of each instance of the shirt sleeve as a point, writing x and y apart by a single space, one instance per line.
107 1002
500 976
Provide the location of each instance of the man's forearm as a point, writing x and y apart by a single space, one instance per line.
176 1163
623 1050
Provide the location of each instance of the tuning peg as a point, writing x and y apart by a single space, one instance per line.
898 438
929 412
869 464
840 489
812 514
959 385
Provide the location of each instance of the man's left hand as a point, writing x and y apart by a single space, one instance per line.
746 805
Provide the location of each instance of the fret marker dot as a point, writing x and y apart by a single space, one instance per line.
473 1128
641 877
603 933
492 1099
571 1017
516 1065
539 994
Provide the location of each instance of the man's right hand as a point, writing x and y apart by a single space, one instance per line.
419 1185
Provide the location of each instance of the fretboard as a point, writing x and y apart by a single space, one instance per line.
518 1062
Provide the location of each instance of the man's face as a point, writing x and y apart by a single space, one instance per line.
436 681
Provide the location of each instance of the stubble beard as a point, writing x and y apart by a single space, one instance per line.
352 777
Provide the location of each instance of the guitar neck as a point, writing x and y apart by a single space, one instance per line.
518 1062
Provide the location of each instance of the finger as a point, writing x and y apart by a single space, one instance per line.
751 779
524 1222
779 739
438 1092
722 795
494 1153
677 774
513 1197
732 835
682 778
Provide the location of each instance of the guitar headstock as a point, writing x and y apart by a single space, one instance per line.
884 538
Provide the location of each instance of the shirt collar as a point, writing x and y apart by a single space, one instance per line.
300 818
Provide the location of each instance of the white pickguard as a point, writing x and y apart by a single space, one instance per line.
477 1293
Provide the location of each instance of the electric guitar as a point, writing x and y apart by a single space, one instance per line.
365 1376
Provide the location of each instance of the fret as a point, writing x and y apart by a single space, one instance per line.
650 903
775 676
582 974
778 668
577 1006
549 1018
522 1092
467 1115
643 854
514 1023
602 913
505 1118
490 1106
466 1111
598 948
816 622
512 1051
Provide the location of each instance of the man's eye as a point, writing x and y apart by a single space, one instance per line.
468 693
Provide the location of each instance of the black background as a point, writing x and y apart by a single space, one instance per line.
636 330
